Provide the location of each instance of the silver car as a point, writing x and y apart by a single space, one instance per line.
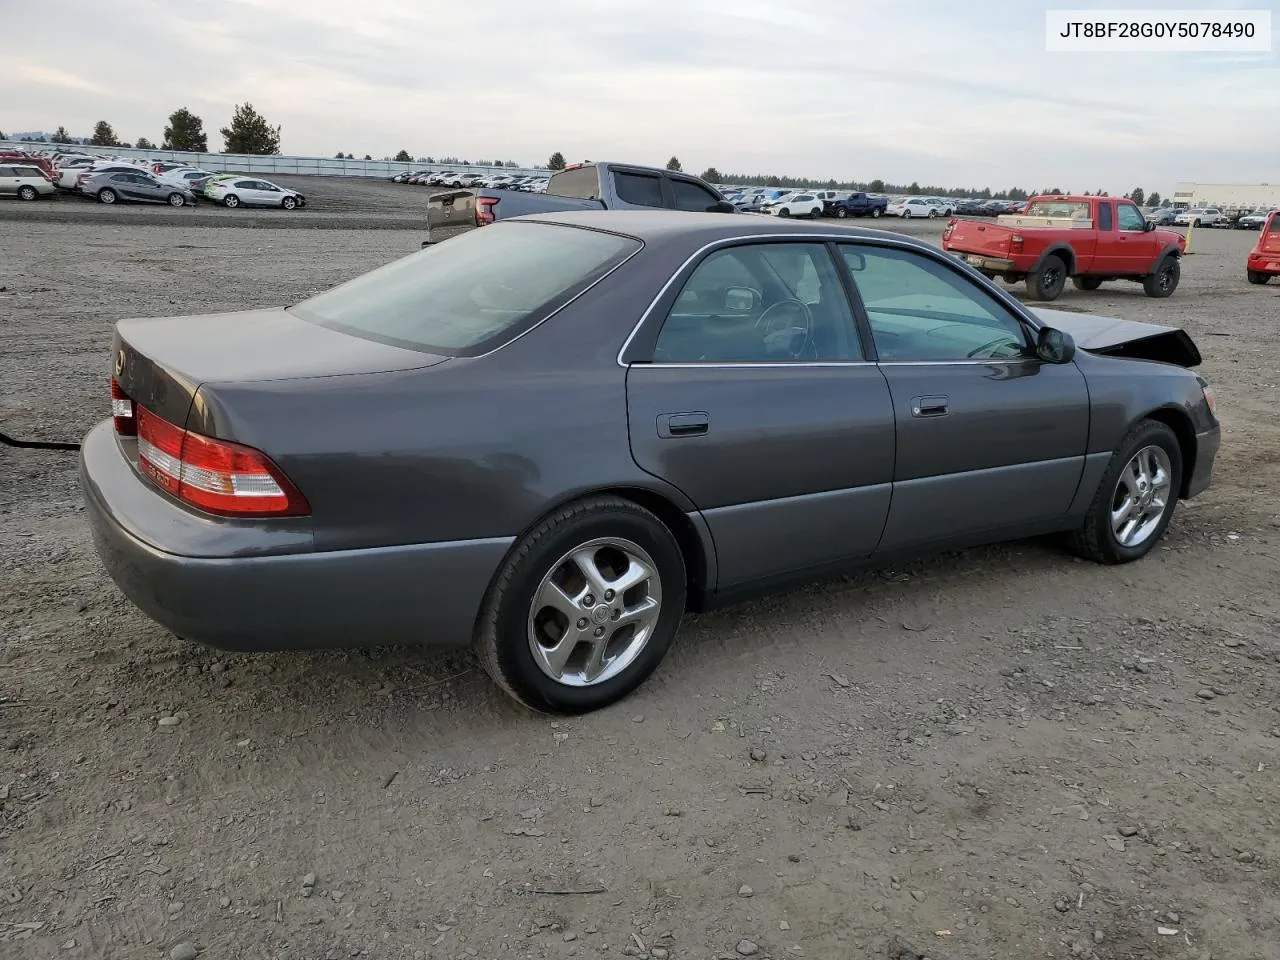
24 182
136 186
250 192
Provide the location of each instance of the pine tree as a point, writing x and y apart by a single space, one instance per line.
250 133
185 132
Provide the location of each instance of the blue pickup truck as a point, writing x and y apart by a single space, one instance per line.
855 205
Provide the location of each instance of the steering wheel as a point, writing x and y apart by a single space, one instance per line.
777 330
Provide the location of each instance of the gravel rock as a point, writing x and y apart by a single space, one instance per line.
745 891
1205 694
1244 856
184 951
169 721
747 948
1128 831
1099 936
759 755
917 895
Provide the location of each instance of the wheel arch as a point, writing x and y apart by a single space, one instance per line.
686 525
1062 250
1179 421
1170 250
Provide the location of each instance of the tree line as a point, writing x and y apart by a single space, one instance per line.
248 132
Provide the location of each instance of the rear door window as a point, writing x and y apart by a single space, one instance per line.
692 196
7 172
637 188
474 293
1104 216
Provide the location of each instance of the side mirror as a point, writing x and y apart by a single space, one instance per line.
740 300
855 261
1055 346
723 206
1151 225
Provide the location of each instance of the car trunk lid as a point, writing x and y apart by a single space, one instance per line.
160 363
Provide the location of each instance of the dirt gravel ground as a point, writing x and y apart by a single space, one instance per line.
999 754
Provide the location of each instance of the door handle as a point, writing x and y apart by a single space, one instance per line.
674 425
930 406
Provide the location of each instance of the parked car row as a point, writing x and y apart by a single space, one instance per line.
128 180
472 181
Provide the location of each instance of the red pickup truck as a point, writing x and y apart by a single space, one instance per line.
1089 239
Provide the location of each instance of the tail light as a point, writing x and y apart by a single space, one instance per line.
1015 243
213 475
122 411
484 210
949 229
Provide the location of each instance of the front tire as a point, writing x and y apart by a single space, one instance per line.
1135 500
289 203
1258 277
1046 281
27 192
555 634
177 200
932 214
841 213
1087 283
231 201
1161 282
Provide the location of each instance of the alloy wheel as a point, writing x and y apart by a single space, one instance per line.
594 612
1142 496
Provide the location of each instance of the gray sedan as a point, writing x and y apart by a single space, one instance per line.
136 187
552 436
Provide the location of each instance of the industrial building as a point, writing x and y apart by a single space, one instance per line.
1228 196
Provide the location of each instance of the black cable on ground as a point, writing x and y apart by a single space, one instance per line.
8 441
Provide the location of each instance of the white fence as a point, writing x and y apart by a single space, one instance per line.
299 166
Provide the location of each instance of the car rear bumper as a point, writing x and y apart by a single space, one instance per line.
1263 263
427 594
1207 444
996 264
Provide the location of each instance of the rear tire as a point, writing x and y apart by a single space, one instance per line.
1047 281
1087 283
512 620
932 214
107 195
876 212
1096 539
1162 281
1258 277
816 214
231 201
27 192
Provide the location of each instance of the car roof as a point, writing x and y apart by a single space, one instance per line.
703 228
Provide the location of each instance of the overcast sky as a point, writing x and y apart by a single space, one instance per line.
944 93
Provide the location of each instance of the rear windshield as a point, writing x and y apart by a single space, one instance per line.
472 292
1274 226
